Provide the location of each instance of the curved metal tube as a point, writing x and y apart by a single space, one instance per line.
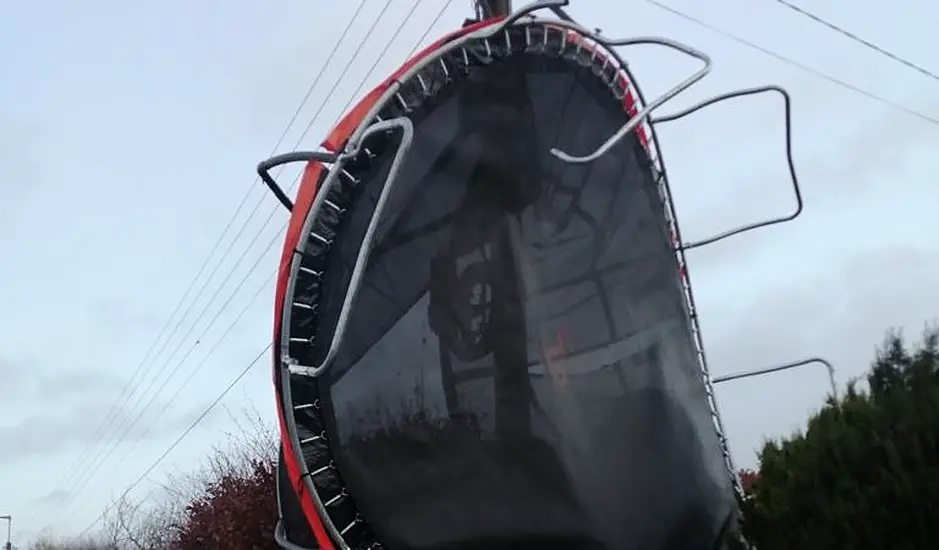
554 5
792 168
406 127
813 360
280 537
647 109
287 363
265 166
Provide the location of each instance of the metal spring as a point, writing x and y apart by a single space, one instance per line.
308 271
323 469
404 104
355 521
320 238
424 88
319 437
334 206
350 177
336 499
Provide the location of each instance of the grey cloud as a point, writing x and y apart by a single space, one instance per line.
14 378
830 180
71 424
58 495
19 167
842 315
25 382
86 383
290 67
114 314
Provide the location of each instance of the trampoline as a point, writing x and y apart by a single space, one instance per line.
482 340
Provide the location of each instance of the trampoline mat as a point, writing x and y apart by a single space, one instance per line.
518 370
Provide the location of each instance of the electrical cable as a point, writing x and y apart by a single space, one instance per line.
270 245
183 435
661 6
139 414
870 45
118 404
794 63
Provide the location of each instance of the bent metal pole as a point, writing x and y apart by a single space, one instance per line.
805 362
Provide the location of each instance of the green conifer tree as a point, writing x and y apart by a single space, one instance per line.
864 474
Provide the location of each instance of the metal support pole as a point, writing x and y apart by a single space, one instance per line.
8 545
493 8
787 366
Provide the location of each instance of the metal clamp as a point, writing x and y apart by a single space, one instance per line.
358 271
264 168
647 109
792 168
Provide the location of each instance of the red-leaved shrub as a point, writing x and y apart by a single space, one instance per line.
237 511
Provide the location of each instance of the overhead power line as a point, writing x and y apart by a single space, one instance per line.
870 45
129 422
185 433
354 95
270 245
133 384
795 63
654 2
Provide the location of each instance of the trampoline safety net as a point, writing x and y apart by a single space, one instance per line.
518 369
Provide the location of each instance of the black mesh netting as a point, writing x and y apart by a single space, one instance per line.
519 369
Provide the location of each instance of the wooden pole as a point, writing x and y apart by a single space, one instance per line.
494 8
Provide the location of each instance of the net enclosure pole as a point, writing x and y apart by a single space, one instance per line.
805 362
493 8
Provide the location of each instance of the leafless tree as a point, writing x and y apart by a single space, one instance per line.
142 525
154 521
48 543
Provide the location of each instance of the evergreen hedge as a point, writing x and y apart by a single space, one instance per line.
864 474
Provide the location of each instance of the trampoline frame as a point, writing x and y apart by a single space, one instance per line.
641 121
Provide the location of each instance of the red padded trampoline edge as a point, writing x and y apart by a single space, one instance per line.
305 196
307 192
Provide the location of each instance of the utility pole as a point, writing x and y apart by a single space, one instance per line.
493 8
9 519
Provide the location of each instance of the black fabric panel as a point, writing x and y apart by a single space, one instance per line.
539 392
307 403
296 526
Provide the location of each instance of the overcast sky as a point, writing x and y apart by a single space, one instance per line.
129 133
